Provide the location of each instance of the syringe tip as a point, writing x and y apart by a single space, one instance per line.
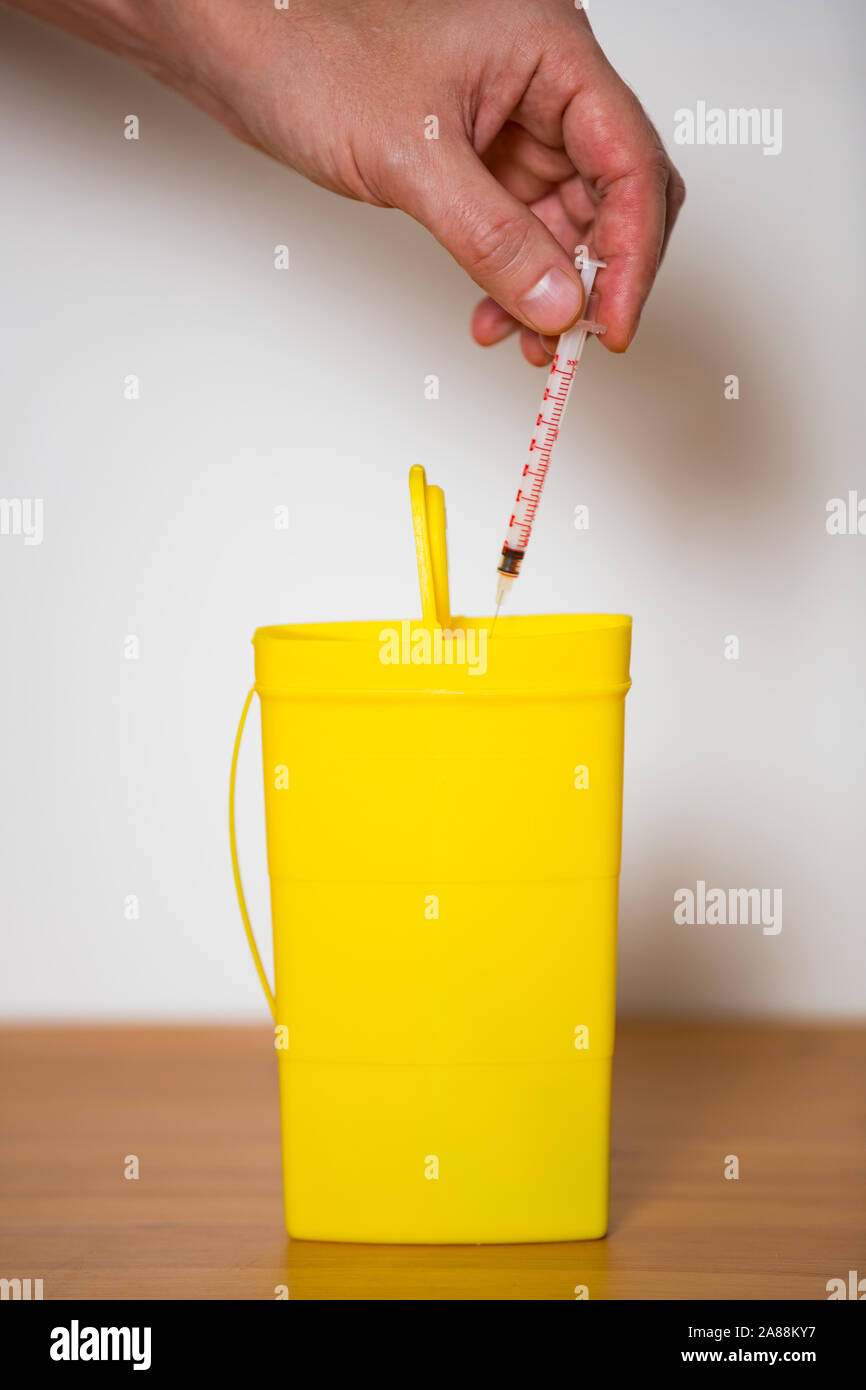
503 584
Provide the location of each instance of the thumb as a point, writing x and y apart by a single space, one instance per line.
498 241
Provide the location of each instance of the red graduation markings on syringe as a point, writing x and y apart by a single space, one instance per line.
548 421
542 446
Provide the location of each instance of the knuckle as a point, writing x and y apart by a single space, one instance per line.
658 167
677 188
496 242
395 173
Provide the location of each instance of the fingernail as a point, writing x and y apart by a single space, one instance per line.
554 303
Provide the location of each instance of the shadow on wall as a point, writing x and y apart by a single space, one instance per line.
682 439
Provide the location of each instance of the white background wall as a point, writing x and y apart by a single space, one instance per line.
707 516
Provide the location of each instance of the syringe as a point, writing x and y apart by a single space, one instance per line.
547 426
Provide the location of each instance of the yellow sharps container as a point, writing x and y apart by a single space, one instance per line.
443 813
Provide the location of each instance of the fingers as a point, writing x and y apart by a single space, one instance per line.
623 199
532 349
637 192
492 324
497 240
525 166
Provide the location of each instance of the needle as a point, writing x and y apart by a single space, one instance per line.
503 584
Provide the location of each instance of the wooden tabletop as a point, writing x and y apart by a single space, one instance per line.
198 1107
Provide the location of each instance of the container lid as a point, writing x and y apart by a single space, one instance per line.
565 653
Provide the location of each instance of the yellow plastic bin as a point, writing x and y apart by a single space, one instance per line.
444 851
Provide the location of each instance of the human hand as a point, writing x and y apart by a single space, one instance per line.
540 146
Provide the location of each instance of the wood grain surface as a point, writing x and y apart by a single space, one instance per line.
198 1106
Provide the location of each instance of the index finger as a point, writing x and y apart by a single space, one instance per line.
628 175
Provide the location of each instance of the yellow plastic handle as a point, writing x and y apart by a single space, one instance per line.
242 903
